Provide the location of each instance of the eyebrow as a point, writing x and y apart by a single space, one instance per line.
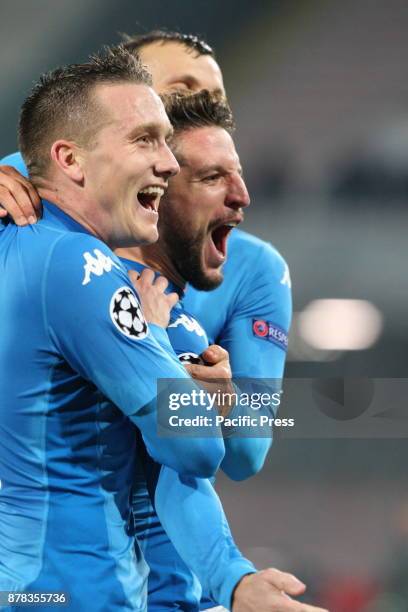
153 129
216 168
185 77
193 81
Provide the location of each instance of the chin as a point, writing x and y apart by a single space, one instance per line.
150 237
136 239
207 280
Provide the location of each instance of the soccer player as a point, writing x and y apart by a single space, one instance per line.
250 313
59 241
203 126
74 374
197 119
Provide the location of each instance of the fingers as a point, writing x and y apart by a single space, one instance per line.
307 608
11 207
296 606
266 590
34 197
172 299
284 581
289 584
281 603
134 277
22 193
209 373
146 277
214 354
161 283
198 372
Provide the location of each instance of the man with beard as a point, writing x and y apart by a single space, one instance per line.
250 312
76 354
254 331
202 131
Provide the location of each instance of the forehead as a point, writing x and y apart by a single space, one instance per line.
202 147
172 61
129 104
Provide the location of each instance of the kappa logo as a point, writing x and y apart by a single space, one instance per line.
191 324
286 277
97 264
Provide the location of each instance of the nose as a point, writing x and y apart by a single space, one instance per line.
237 196
166 164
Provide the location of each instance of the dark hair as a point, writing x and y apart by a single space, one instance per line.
202 109
191 41
61 104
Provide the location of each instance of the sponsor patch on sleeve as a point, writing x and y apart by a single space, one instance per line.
266 330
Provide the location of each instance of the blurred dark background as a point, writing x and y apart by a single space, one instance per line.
320 94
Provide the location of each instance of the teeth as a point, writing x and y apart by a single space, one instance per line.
153 190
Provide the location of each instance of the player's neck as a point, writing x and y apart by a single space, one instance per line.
84 216
153 257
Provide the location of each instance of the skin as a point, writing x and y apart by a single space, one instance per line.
209 191
175 68
99 186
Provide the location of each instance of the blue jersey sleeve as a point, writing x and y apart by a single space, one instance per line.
178 571
256 333
15 160
96 324
214 558
255 337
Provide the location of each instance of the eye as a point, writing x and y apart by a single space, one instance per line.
212 178
144 140
179 86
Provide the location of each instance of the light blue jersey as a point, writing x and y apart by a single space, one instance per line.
171 583
249 314
78 369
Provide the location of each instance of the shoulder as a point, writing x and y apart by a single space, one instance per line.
248 251
83 258
15 160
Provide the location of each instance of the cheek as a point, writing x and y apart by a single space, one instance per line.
211 202
102 173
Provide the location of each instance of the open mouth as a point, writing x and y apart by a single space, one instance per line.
149 197
219 237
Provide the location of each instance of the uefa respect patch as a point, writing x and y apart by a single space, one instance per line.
266 330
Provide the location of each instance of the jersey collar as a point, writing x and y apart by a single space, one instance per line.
59 218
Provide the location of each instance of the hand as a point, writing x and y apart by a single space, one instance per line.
216 376
217 365
156 305
269 591
18 197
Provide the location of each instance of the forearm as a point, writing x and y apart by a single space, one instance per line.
200 533
244 457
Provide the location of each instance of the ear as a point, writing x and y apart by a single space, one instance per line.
66 154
